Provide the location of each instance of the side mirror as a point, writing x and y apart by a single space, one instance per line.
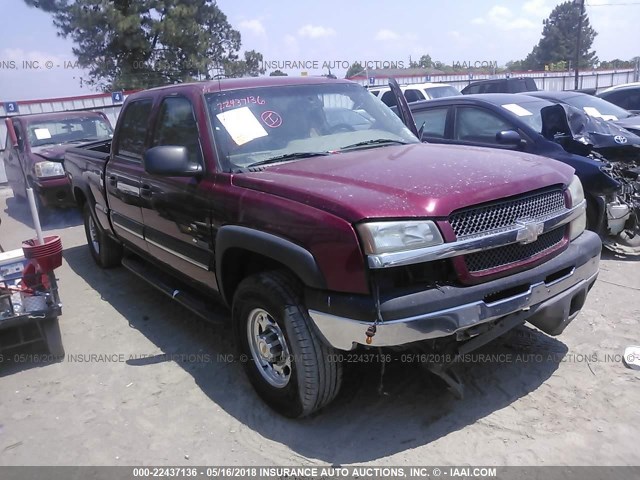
170 161
509 138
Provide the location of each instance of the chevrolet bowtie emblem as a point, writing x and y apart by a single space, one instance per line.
528 231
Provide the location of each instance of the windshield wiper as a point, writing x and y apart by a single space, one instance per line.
377 141
288 156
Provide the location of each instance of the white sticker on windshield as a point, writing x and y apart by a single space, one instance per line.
517 109
592 111
42 133
242 125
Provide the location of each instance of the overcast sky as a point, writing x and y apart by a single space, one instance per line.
332 31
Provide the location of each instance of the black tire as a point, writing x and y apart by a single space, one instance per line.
106 252
52 337
314 376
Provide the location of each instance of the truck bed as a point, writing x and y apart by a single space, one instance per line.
85 166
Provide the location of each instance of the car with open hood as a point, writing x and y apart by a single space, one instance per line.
595 107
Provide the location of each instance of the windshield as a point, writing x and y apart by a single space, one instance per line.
597 107
253 126
528 112
67 130
444 91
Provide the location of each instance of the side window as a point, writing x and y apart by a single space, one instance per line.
413 95
472 89
133 129
628 99
434 122
177 125
374 92
495 87
478 125
633 100
388 99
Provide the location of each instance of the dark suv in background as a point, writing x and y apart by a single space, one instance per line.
501 85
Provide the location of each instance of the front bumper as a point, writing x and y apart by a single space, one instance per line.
551 294
54 192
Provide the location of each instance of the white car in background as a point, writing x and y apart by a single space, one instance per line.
415 92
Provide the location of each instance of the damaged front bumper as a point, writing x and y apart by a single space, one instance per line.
550 295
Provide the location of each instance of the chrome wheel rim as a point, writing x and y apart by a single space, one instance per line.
269 348
93 234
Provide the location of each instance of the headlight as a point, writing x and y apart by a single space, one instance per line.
576 193
49 169
385 237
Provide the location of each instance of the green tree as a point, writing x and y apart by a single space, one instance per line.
251 66
356 68
558 42
424 62
128 44
278 73
515 65
617 63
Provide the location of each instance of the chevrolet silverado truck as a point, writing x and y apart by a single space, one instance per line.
324 237
35 148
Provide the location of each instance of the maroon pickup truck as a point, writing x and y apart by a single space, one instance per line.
35 149
325 233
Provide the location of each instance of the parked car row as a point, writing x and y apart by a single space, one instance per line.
324 224
415 92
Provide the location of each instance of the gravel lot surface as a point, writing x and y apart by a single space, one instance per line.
162 388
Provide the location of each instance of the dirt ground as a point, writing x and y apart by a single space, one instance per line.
162 388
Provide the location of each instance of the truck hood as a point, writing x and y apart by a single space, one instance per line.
53 153
404 181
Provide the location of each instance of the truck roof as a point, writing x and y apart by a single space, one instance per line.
211 86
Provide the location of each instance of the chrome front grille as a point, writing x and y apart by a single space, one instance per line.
515 252
498 216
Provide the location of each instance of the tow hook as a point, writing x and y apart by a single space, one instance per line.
371 331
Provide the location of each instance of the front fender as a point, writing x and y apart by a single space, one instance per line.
299 260
594 180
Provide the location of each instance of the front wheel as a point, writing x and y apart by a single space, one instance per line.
287 363
105 251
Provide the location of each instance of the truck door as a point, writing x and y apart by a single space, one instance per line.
124 168
404 112
176 209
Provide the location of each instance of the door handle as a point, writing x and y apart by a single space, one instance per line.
145 191
113 180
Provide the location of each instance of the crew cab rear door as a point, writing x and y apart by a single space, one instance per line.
403 107
176 209
123 171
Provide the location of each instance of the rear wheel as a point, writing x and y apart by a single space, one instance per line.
105 251
287 363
